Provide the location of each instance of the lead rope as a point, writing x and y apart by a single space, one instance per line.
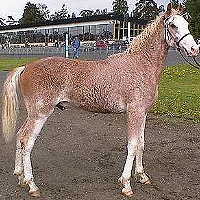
197 66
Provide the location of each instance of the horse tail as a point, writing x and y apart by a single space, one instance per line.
10 103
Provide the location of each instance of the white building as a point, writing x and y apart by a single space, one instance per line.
93 28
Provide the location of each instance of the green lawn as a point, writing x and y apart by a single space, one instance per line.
179 90
9 63
179 93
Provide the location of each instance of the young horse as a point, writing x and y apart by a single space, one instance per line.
125 82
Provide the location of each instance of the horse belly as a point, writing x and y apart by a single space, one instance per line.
104 108
101 104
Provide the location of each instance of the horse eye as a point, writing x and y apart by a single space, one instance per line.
187 17
173 26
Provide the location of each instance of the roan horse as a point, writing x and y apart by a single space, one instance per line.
125 82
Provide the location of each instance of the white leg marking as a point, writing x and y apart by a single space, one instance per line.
126 175
18 159
19 171
136 123
139 169
36 128
132 147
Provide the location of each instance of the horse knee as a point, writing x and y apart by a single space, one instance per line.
132 148
27 143
23 141
140 146
135 145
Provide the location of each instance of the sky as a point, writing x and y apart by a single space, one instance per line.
15 7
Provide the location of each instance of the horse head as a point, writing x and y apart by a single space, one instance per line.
177 33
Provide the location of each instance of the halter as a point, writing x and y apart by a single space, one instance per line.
169 34
177 43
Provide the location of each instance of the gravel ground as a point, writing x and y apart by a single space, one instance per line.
80 156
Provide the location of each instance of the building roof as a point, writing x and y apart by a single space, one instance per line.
79 21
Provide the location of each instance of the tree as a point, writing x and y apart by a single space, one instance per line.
61 14
100 12
2 22
86 13
120 7
73 15
11 21
44 11
34 13
146 9
193 8
175 3
104 11
97 12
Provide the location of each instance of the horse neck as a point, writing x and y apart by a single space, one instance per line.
150 44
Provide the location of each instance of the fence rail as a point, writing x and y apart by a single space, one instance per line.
85 52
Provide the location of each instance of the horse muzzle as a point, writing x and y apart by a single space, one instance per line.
194 51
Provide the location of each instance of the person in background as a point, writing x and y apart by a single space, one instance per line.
76 47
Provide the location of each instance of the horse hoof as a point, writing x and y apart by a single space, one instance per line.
147 182
120 181
127 192
35 193
22 184
142 178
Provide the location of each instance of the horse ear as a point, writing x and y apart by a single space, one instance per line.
169 7
180 8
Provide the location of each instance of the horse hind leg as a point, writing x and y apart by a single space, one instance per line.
19 170
25 141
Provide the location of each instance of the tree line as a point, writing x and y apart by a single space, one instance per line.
36 13
144 10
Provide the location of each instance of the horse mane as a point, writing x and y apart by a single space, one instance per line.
143 39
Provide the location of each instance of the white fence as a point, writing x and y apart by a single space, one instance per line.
85 51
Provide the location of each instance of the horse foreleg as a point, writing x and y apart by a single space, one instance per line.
126 175
139 169
27 137
136 118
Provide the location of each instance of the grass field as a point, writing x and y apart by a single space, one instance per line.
9 63
179 93
179 90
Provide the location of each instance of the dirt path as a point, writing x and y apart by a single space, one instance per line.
80 155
